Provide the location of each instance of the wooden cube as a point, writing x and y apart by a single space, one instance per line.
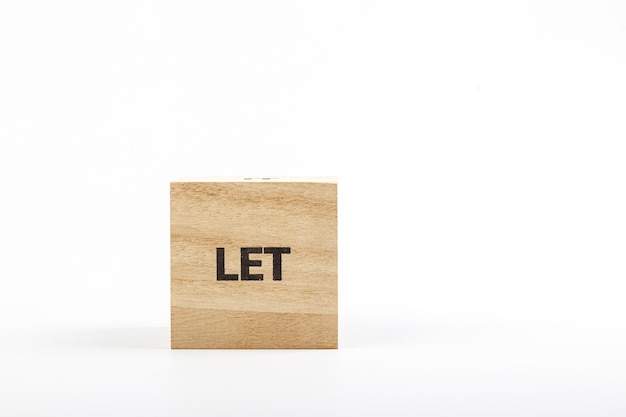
254 263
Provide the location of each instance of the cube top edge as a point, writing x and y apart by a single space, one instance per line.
330 180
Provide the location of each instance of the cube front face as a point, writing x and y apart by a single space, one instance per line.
253 264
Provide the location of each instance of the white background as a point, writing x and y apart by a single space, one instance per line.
480 149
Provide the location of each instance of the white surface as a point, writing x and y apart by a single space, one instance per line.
483 139
258 179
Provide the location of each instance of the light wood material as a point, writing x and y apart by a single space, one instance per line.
298 311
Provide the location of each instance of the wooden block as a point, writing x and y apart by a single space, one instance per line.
254 263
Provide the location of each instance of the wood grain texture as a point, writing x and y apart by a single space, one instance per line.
299 311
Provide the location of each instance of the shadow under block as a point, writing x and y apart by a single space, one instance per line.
273 245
